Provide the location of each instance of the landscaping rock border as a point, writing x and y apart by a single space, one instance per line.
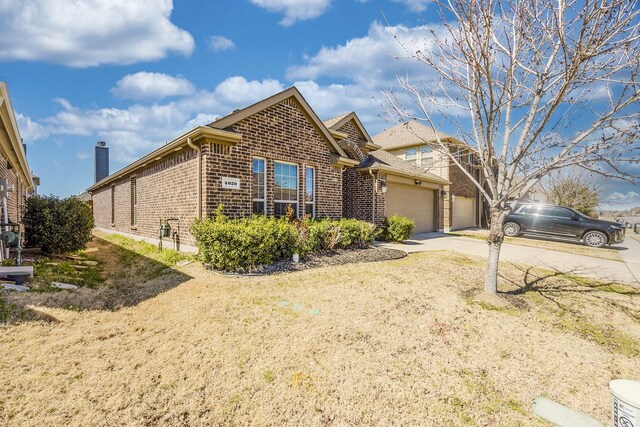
324 259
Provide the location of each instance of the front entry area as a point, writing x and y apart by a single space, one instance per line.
414 202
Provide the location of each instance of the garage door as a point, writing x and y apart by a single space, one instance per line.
413 202
464 212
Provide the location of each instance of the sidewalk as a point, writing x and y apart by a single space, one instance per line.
580 265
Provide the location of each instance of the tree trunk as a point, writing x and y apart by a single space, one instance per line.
495 238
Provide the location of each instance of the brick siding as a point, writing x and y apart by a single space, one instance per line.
168 188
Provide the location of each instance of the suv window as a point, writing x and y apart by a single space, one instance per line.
528 209
560 212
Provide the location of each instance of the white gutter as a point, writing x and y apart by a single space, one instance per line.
199 153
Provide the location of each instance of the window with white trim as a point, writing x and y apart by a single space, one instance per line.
285 188
310 192
258 186
113 205
134 202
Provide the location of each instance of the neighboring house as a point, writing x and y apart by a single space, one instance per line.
381 184
14 167
461 204
259 160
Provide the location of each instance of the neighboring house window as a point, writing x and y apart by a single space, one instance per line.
470 163
411 155
134 202
310 192
259 186
426 157
285 184
113 205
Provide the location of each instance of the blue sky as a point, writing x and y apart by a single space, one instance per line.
138 74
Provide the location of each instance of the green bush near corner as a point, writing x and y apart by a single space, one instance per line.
57 225
397 228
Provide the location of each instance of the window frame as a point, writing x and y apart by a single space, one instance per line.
313 189
288 202
133 189
264 186
113 205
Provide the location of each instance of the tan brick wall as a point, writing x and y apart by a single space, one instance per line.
279 133
168 188
17 197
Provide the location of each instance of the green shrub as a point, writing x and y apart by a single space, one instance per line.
397 228
243 244
324 235
355 233
57 225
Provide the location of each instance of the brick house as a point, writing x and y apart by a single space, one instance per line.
461 203
260 159
13 159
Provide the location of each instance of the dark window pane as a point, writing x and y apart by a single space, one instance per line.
561 212
308 210
280 209
258 208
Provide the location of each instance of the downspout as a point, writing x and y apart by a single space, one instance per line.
199 187
373 198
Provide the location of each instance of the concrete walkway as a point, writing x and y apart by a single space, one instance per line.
580 265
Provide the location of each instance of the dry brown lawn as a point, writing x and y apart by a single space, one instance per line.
608 252
405 342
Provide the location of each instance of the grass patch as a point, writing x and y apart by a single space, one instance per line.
605 336
47 271
134 249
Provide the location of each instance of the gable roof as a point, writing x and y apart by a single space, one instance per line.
10 139
199 133
292 92
409 134
335 123
333 120
384 161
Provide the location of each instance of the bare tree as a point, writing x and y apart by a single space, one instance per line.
532 86
574 188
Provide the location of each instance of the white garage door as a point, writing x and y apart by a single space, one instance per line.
464 212
413 202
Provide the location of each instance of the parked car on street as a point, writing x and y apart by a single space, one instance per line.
562 222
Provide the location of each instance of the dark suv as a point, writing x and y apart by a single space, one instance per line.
562 222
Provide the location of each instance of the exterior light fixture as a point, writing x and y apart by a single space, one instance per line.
383 186
418 182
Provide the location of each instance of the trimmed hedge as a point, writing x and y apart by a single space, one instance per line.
57 225
397 228
246 243
242 244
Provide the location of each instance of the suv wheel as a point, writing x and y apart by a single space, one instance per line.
511 229
595 239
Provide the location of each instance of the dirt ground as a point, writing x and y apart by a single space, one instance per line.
403 342
608 252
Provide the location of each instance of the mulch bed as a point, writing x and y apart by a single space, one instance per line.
323 259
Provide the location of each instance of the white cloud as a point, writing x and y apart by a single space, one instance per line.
415 5
218 43
372 61
30 131
83 155
133 131
294 10
627 197
84 33
144 85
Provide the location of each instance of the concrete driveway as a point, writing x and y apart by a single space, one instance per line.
580 265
